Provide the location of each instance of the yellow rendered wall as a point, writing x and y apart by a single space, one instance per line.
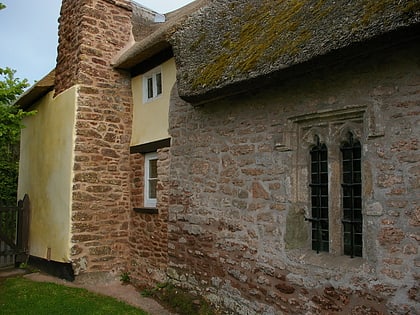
45 174
150 120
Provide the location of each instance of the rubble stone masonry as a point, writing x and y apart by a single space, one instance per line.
148 236
91 33
237 202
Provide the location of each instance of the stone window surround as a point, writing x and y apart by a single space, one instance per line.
332 128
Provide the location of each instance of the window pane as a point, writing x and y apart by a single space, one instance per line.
357 177
150 176
158 83
319 197
352 197
153 169
150 88
152 188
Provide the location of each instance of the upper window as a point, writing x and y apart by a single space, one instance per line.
150 179
152 84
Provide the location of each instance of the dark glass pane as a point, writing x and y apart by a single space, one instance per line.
357 151
358 239
158 83
149 88
358 228
347 154
347 178
347 215
319 197
152 168
347 203
152 188
347 240
347 191
357 178
357 191
347 166
357 204
324 154
352 197
347 228
356 165
315 202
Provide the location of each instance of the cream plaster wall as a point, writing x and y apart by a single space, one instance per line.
150 120
45 174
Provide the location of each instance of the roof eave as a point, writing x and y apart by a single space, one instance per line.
35 92
202 95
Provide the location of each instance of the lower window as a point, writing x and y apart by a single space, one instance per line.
150 179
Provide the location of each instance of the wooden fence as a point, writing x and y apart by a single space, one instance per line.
14 233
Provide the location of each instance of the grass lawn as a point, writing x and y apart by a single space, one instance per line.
22 296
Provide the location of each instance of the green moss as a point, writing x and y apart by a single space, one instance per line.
252 45
373 9
180 301
412 6
198 42
274 30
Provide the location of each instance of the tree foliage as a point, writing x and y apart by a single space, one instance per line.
10 125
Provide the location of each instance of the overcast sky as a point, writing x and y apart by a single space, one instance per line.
29 34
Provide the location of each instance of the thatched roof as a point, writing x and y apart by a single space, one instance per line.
36 91
155 36
229 42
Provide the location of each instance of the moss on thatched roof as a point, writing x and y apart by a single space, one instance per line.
233 41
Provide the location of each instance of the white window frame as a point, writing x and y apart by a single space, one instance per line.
148 202
154 75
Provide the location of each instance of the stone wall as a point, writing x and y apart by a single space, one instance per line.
149 231
137 180
90 35
238 195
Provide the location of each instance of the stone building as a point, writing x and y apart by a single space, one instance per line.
285 177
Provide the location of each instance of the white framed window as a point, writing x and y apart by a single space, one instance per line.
152 84
150 179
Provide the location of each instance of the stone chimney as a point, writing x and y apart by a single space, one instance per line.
91 33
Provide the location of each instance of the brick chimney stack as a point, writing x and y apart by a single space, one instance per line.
91 33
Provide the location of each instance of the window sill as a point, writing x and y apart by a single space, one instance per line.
326 260
146 210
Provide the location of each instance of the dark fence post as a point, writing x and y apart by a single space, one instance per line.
22 241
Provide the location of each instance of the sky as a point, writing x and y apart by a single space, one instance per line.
29 34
